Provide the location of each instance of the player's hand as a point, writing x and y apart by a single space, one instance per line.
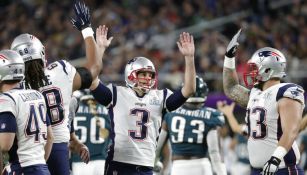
158 167
82 19
225 108
271 166
186 44
233 45
101 37
84 154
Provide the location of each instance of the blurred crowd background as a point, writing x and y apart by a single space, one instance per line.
151 27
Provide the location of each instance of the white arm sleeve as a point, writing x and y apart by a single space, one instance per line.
214 152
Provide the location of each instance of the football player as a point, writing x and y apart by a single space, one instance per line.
274 109
192 131
136 111
23 120
92 127
57 81
239 142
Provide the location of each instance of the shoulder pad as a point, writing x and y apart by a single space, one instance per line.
292 91
7 103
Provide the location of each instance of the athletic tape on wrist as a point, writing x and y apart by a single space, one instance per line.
280 152
229 63
87 32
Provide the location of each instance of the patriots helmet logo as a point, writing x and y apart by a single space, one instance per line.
269 53
131 61
3 58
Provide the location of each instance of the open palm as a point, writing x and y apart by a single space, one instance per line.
186 44
101 37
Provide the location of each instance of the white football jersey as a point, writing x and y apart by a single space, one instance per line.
29 109
264 123
135 135
57 93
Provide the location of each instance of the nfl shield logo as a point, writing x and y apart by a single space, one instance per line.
3 125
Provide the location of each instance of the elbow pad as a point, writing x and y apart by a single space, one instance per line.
86 77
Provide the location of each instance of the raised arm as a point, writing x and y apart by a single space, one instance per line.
232 88
92 68
187 48
103 42
228 112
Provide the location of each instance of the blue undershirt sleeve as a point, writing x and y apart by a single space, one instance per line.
102 94
175 100
7 123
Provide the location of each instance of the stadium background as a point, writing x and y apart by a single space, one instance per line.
150 28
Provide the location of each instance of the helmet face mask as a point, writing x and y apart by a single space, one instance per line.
143 81
265 64
251 76
29 47
136 74
12 66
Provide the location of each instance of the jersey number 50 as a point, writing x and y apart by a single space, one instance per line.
92 131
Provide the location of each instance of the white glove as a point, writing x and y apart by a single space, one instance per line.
271 166
233 45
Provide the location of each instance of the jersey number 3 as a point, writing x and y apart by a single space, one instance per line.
143 117
257 126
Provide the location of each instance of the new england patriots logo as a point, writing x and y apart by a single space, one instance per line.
268 53
264 54
131 61
3 58
295 93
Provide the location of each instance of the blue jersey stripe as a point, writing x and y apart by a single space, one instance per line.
114 95
290 158
282 90
63 65
112 135
9 96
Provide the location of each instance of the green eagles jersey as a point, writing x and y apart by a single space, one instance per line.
188 129
88 130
